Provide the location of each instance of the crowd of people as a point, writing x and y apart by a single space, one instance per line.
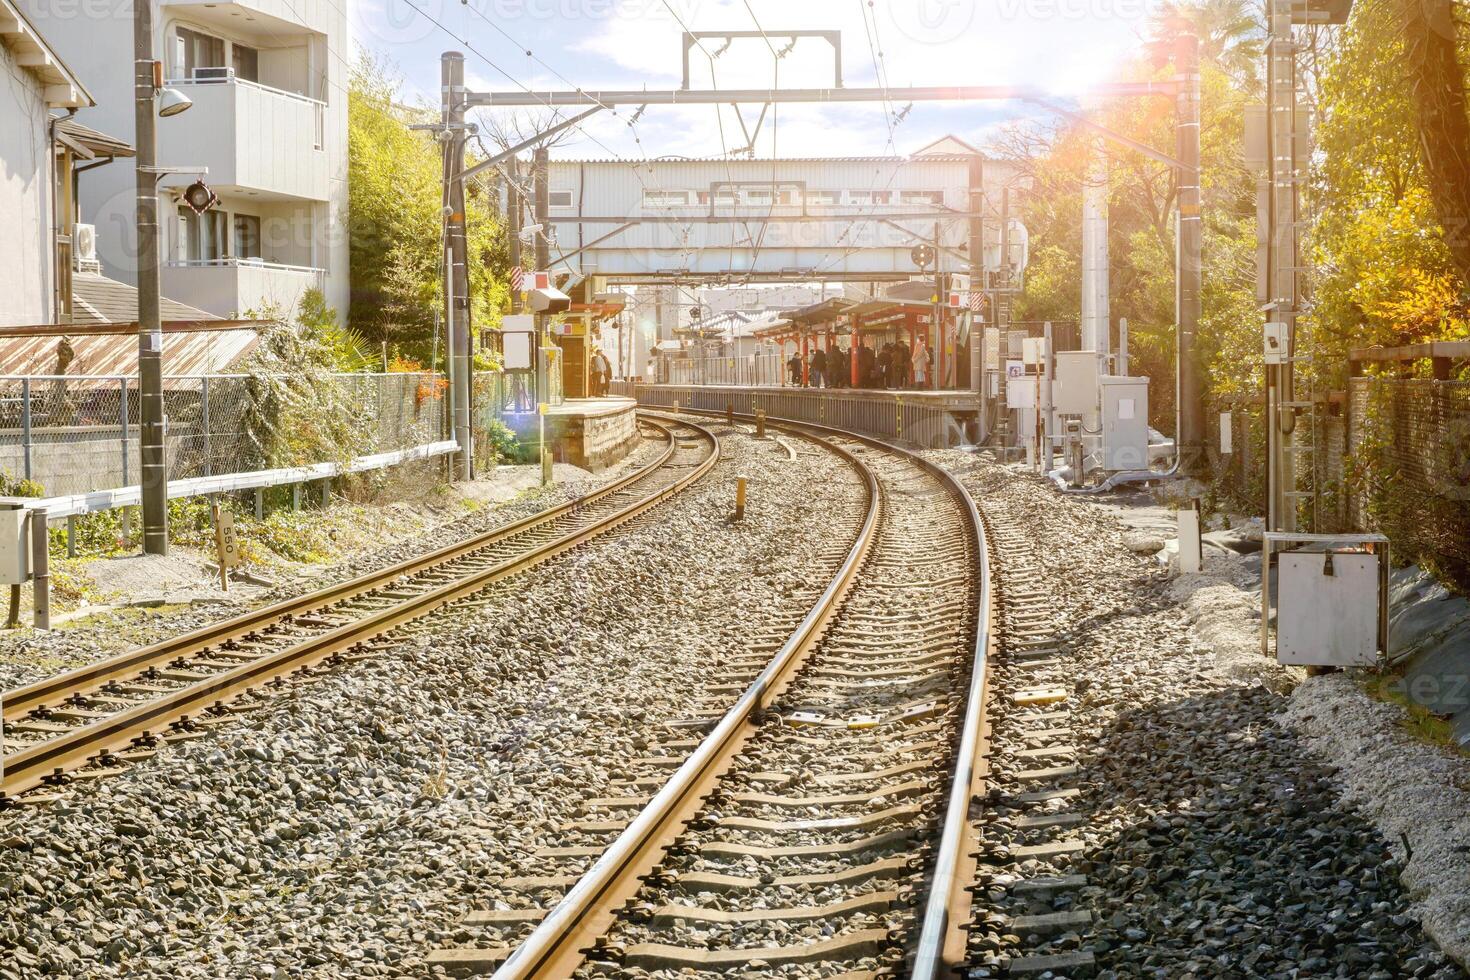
893 365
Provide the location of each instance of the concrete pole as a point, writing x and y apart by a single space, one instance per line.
1123 346
154 478
1282 289
513 205
540 165
1096 302
978 327
457 292
1191 389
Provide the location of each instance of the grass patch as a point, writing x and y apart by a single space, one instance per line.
1418 721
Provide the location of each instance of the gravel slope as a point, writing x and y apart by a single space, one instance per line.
1217 843
342 829
27 655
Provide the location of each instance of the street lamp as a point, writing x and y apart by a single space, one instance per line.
171 102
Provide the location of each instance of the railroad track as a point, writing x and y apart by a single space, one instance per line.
820 826
88 722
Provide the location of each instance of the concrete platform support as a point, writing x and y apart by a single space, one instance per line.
593 433
928 419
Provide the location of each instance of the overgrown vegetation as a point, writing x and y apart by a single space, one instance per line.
395 181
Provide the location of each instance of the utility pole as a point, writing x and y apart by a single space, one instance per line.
936 329
541 203
977 285
146 82
513 223
1283 292
1190 437
457 293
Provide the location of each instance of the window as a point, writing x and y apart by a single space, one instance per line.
561 199
724 199
247 236
870 197
246 62
200 56
201 236
823 199
922 197
665 199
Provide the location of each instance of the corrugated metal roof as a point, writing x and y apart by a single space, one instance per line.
96 300
183 353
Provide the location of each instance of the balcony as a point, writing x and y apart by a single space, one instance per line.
229 286
250 136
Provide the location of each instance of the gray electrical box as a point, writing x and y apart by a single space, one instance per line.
1074 390
1124 423
15 551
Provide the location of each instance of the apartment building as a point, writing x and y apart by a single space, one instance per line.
37 84
268 82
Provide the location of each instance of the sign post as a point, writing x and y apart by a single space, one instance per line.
226 544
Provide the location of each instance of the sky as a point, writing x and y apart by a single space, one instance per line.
1058 45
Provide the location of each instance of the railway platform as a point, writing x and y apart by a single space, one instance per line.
927 419
593 433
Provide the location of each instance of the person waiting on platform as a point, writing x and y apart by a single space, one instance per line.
905 364
885 366
866 365
819 367
837 368
920 363
599 373
793 367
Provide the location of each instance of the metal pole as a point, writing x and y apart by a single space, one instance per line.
458 293
122 414
204 422
1122 368
40 570
154 481
25 424
1191 388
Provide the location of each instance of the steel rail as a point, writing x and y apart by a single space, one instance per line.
554 948
87 679
941 942
35 765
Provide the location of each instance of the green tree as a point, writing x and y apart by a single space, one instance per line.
395 186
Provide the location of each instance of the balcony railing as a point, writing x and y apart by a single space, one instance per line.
226 76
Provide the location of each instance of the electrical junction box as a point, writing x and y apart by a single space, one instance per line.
1328 608
1276 346
1124 423
15 549
1033 350
1074 389
518 341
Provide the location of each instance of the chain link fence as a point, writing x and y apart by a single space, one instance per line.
1406 472
80 434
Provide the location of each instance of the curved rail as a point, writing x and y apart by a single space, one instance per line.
22 700
136 727
555 946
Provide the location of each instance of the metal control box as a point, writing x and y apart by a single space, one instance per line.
1332 603
15 549
1074 392
1327 609
1124 423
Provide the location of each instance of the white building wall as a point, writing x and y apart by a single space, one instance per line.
25 198
256 144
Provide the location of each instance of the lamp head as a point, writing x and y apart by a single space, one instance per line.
171 102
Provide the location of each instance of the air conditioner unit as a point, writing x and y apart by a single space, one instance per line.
84 247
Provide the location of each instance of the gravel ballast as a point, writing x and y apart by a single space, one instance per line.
1217 842
342 829
29 655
